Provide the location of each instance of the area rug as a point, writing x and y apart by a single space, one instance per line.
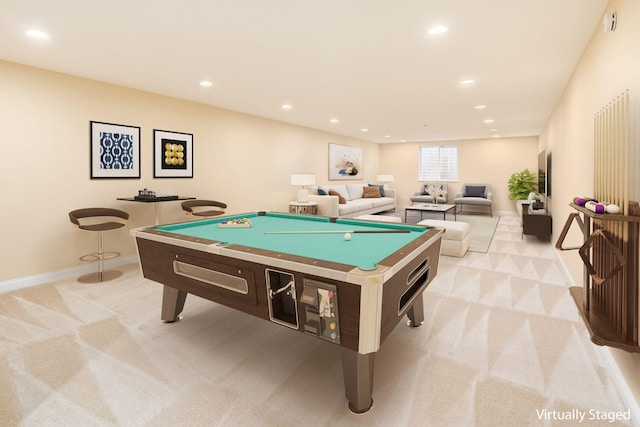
482 227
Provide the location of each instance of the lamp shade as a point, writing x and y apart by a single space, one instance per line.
384 178
303 179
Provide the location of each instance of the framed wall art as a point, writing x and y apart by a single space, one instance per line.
344 162
115 151
172 154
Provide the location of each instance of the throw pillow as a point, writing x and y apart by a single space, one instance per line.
425 192
380 188
371 193
474 191
341 200
322 191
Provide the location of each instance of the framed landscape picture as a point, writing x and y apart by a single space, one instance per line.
115 150
344 162
172 154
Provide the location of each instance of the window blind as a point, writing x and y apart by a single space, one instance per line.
438 163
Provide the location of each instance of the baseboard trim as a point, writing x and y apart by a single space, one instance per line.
40 279
628 399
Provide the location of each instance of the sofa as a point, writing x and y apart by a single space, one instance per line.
350 200
423 195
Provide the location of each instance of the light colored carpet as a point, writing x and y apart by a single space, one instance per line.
502 343
483 227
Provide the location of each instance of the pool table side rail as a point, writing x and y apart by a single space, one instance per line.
336 271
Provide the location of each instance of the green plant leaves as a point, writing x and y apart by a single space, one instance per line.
521 184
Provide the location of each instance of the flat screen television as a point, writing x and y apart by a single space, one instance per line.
544 173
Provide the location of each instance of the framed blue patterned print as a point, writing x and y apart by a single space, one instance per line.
115 151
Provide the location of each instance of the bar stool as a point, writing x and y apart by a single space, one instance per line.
100 220
216 207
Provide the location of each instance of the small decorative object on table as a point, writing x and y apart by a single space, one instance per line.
145 194
149 195
436 190
236 223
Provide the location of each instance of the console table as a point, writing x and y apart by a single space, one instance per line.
535 224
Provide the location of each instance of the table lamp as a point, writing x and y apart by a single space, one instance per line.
385 179
303 179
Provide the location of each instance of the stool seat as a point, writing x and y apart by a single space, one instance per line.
189 205
99 220
456 238
106 226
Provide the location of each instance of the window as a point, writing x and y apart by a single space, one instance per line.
438 163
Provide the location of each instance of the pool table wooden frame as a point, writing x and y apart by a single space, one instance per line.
371 302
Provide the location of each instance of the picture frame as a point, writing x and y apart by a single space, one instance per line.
114 151
345 162
172 154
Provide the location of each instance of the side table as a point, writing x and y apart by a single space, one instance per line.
306 208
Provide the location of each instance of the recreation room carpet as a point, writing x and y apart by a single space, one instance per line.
481 233
502 345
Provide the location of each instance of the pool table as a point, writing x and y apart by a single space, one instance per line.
302 272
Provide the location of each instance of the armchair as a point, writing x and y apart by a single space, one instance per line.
423 196
474 195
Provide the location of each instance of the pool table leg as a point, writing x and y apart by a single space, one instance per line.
357 371
416 313
172 304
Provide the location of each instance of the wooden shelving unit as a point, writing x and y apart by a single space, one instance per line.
608 299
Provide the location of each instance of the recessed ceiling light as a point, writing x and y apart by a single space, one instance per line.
387 136
206 83
480 107
287 107
489 121
364 130
438 29
37 34
467 82
496 136
493 130
334 120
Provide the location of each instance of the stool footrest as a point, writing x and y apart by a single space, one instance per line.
96 256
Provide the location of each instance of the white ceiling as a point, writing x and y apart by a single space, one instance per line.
368 63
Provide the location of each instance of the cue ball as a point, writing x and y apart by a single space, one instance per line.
347 236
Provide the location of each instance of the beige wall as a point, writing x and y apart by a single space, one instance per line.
242 160
609 66
479 160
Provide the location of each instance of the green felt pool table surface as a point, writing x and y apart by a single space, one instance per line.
364 250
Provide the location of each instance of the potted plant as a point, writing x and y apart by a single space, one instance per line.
521 184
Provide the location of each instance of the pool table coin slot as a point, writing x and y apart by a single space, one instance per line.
321 310
212 277
281 295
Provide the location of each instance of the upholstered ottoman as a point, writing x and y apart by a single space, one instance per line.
380 218
455 240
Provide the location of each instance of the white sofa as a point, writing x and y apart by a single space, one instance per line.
355 205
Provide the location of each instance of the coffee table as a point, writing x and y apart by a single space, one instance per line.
431 207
